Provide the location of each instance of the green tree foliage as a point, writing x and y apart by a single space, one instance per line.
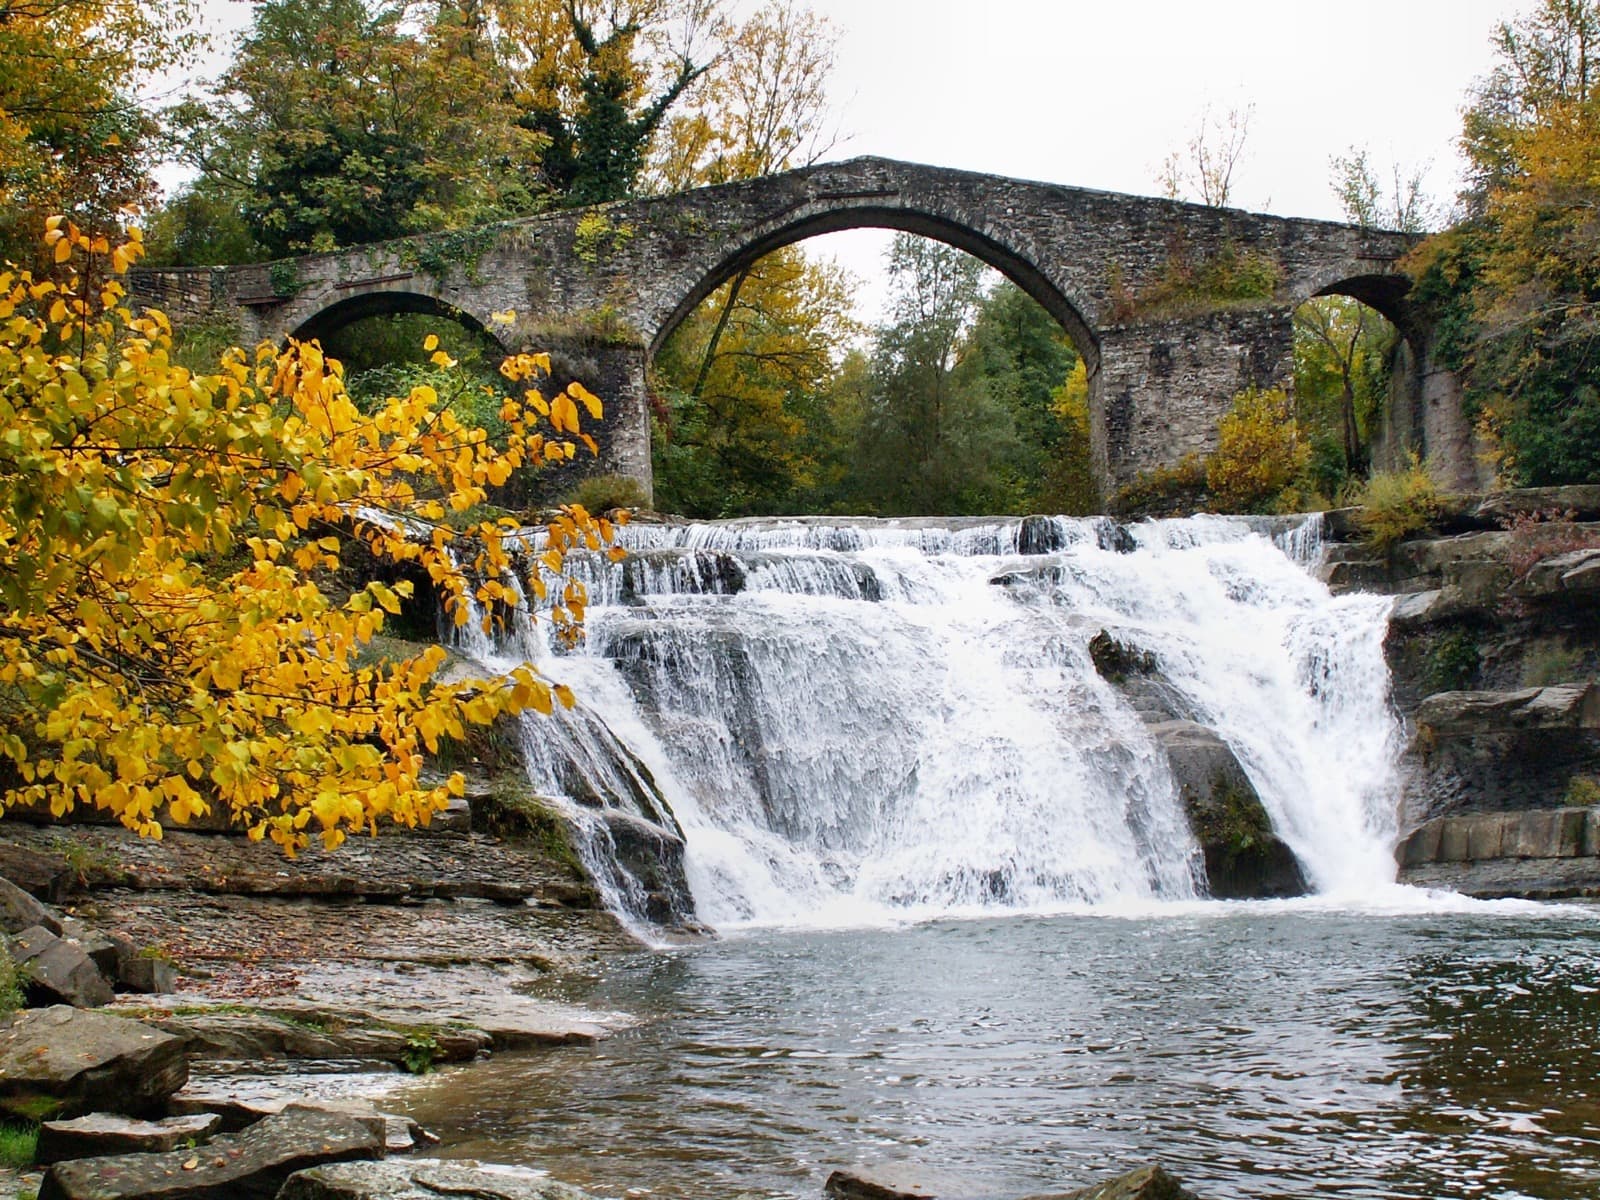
1514 292
744 379
928 444
596 79
349 121
73 139
1342 356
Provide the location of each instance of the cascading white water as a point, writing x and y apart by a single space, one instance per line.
852 719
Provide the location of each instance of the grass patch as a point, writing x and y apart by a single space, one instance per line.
18 1145
1396 505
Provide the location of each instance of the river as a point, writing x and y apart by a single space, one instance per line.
1265 1050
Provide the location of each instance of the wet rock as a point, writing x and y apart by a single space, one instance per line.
251 1165
1244 858
424 1179
853 1185
1147 1183
58 971
40 873
1116 660
99 1134
66 1062
1458 714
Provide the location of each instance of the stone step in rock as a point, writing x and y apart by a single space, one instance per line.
65 1062
100 1134
1464 714
1479 837
58 971
425 1179
41 873
251 1165
296 1031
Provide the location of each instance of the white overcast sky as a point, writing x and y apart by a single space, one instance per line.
1095 93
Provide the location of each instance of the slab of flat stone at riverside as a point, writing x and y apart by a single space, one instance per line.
68 1061
251 1165
602 289
100 1134
425 1179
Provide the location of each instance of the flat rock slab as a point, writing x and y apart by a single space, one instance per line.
1456 714
65 1062
101 1134
424 1179
252 1165
1147 1183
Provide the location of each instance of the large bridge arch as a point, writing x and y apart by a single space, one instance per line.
697 280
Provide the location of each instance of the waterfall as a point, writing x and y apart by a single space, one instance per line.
861 719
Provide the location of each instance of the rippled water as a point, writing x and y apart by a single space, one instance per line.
1256 1050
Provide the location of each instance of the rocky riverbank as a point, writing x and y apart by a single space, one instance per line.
1494 647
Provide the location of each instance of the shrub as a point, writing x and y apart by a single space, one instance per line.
1164 491
1259 452
11 984
1453 662
604 493
1583 792
1397 504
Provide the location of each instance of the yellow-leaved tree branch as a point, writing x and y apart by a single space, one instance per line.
168 644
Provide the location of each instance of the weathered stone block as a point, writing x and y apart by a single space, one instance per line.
1453 834
19 911
1147 1183
66 1061
1485 836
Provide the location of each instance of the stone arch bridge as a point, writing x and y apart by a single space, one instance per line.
601 288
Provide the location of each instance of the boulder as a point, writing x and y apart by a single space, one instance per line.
1147 1183
65 1062
1458 714
1478 837
101 1134
58 971
1244 858
147 974
853 1185
19 911
251 1165
424 1179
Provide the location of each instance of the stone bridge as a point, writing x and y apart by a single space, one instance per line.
1175 307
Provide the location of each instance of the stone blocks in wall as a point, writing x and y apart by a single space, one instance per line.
1163 387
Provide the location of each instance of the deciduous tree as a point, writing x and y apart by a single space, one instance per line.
171 639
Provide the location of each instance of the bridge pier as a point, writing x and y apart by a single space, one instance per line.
1161 387
616 370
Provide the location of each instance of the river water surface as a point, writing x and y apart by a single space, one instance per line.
1257 1050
